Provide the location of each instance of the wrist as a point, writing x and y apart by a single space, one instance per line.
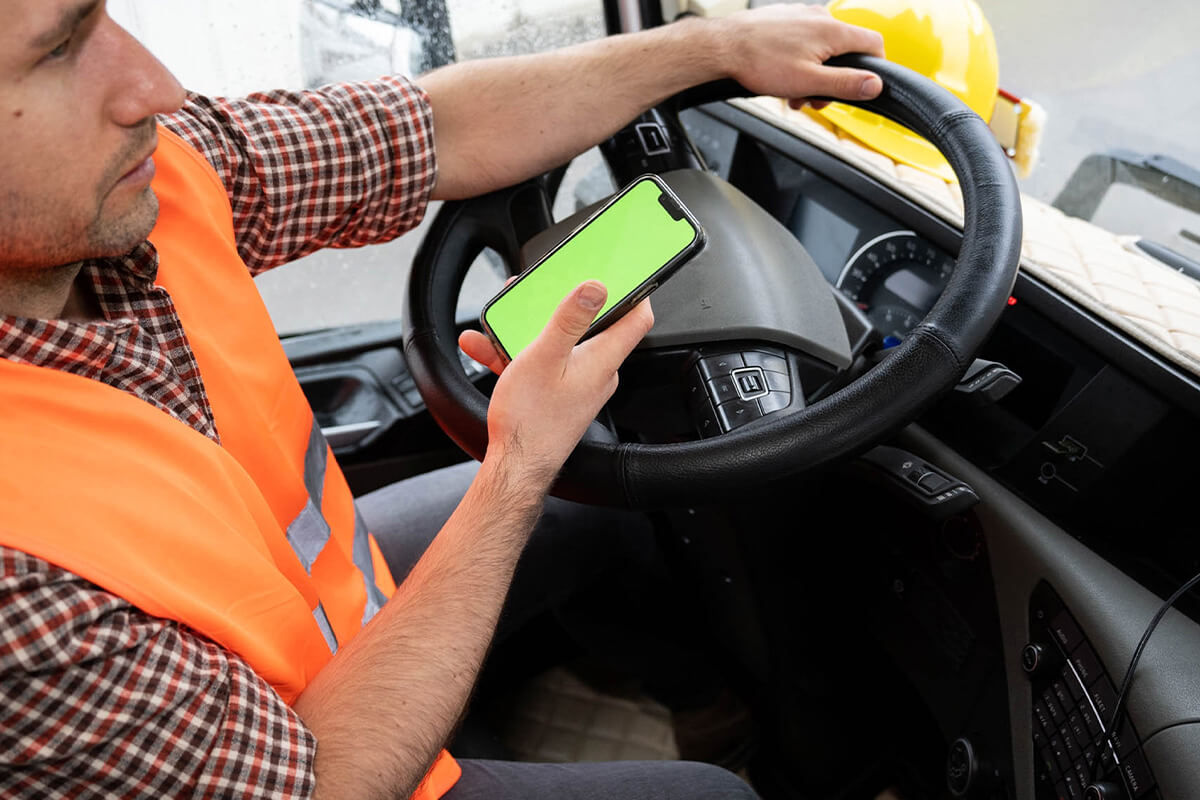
715 42
701 47
508 472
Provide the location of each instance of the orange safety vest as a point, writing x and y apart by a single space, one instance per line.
254 542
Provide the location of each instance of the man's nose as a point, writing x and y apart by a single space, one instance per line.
139 85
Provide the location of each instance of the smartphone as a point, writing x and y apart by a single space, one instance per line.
631 245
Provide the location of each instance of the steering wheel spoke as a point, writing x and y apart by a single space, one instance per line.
676 394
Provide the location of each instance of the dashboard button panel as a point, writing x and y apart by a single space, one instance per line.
1072 705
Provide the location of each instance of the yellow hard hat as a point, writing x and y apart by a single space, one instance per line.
948 41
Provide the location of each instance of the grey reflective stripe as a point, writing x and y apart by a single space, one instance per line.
362 560
309 532
326 628
308 535
314 463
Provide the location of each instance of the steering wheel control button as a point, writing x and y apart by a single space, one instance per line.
737 413
775 362
720 366
778 382
705 417
722 390
653 138
750 383
775 401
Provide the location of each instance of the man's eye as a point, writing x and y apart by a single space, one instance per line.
60 51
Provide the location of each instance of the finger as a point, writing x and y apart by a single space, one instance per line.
856 39
570 321
609 349
846 83
480 348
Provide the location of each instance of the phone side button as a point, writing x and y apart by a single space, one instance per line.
645 293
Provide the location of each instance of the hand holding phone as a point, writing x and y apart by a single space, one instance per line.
544 401
631 245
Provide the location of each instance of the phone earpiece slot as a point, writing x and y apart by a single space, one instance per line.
670 207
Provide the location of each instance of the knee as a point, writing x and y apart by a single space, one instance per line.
715 783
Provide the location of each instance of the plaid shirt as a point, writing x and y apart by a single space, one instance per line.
97 698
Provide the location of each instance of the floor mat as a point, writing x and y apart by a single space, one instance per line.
557 717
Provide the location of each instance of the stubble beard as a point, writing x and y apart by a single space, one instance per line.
39 233
116 237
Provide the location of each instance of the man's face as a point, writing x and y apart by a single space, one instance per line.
78 97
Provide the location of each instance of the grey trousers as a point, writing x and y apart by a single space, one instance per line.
617 780
571 546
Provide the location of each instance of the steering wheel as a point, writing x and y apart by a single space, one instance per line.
928 362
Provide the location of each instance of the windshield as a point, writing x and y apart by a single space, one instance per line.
1109 76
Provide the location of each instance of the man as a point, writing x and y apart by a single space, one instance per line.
183 577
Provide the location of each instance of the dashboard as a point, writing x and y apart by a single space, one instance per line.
1085 499
895 279
891 273
1095 416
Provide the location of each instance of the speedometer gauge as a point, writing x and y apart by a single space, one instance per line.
896 278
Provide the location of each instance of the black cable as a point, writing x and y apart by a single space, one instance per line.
1119 706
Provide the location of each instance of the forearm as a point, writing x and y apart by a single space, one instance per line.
499 121
387 702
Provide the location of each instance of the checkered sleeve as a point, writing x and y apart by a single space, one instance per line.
100 700
342 166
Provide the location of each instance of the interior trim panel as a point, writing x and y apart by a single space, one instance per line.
1112 609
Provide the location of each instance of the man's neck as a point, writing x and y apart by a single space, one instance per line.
55 293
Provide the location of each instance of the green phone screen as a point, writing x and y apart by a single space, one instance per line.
622 247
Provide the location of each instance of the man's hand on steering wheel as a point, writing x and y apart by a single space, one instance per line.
781 51
547 395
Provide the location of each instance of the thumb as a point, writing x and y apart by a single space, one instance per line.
571 319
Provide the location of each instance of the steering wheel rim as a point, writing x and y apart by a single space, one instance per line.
928 362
